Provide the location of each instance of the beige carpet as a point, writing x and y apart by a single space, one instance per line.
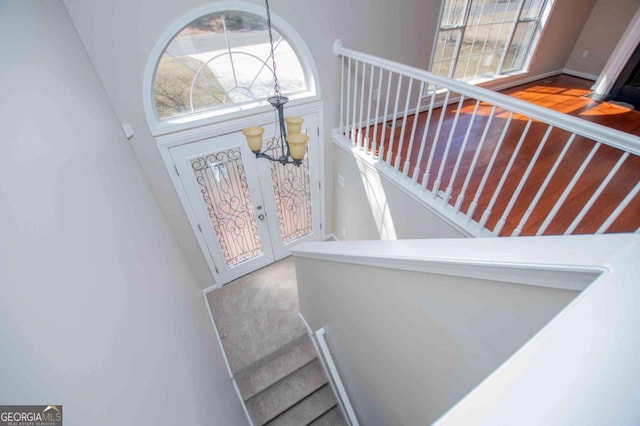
258 313
273 360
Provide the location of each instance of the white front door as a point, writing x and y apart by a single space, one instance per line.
249 211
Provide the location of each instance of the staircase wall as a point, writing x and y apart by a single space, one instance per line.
369 206
410 344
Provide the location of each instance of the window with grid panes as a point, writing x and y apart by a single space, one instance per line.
482 39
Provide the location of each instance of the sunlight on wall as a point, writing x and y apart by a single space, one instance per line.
378 202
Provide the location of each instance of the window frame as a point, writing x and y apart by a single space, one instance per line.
165 126
519 19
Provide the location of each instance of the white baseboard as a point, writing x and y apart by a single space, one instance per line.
211 288
224 356
517 80
580 74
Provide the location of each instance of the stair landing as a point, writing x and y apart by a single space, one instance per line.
273 360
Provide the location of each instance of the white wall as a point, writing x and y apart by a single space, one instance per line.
99 311
370 207
120 34
562 29
409 345
398 344
600 35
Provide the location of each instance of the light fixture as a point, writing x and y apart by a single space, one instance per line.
292 141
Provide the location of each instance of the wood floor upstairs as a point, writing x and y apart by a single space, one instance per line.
561 93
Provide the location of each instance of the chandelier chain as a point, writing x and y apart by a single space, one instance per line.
276 83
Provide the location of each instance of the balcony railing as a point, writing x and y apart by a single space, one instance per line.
496 164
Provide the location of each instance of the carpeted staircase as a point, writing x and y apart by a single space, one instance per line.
288 387
273 359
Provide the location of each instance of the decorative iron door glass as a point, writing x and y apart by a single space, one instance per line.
221 60
226 202
225 193
248 211
292 192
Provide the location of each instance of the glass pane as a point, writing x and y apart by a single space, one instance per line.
487 29
517 55
445 52
485 39
532 9
292 193
225 194
453 13
443 68
223 60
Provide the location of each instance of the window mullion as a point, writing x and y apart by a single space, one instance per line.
536 33
456 51
512 33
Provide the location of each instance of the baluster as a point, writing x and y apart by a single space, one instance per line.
487 171
342 95
568 190
623 205
543 187
361 141
392 133
423 142
384 119
405 167
396 164
377 119
463 191
525 176
348 99
505 174
445 155
355 106
366 137
596 194
443 112
449 189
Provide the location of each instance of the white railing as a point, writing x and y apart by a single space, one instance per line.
335 377
502 165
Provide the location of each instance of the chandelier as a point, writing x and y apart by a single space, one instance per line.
292 141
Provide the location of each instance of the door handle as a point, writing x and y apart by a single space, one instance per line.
261 215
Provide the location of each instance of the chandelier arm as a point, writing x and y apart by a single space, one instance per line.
281 160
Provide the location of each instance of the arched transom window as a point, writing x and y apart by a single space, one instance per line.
222 61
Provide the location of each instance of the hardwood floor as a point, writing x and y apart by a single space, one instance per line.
561 93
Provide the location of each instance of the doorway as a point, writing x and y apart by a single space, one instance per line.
249 211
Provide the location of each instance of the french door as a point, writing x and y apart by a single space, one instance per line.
249 211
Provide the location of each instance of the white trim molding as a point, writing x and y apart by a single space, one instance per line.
624 49
418 256
224 356
333 372
580 74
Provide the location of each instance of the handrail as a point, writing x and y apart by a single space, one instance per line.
603 134
342 393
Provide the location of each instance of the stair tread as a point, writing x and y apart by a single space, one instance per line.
276 366
279 397
307 410
332 417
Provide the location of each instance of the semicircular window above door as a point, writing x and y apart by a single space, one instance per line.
222 60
